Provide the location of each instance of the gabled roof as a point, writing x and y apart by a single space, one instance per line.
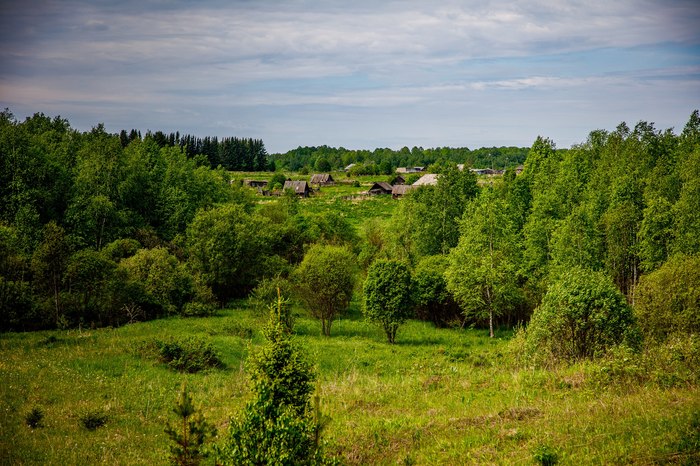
429 179
381 186
321 178
299 187
400 189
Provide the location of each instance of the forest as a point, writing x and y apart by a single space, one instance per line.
592 253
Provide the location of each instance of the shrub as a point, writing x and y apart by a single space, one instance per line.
430 295
93 420
277 426
189 355
387 295
668 299
545 455
35 417
582 315
189 434
324 281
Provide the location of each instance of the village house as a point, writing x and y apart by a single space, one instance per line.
322 179
255 183
380 187
429 179
400 189
300 188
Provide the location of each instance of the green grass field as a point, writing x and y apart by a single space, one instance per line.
439 396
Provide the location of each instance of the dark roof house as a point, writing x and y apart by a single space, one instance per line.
380 187
301 188
322 179
398 179
255 183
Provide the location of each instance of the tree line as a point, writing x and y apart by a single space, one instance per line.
232 153
384 161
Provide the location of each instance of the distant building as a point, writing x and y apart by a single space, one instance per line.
400 189
300 188
322 179
519 169
398 179
349 167
405 170
429 179
255 183
380 187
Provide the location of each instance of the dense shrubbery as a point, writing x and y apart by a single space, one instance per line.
668 299
184 355
582 316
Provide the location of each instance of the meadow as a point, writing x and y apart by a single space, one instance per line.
438 396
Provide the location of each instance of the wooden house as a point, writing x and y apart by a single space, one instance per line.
400 189
301 188
398 179
430 179
380 187
322 179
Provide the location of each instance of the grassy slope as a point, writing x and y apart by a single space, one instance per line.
436 397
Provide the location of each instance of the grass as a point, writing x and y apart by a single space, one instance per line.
438 396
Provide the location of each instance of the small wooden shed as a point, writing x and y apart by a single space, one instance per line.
301 188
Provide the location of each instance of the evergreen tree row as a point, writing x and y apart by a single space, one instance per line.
232 153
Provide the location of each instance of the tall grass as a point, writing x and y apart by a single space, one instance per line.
438 396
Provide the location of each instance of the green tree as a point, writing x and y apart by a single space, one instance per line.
668 299
87 277
227 246
387 295
431 297
482 274
190 434
324 281
164 281
277 427
582 315
49 265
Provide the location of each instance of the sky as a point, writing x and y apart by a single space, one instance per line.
358 74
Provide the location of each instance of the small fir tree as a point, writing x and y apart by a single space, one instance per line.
190 435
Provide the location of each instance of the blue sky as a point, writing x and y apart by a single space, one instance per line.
361 74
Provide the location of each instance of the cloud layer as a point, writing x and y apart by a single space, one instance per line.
357 74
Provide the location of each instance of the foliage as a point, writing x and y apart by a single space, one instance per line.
35 418
190 434
93 419
276 427
545 455
325 281
164 281
430 295
226 246
189 355
668 299
482 273
581 316
387 295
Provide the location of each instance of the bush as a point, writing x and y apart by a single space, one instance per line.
387 295
545 455
93 420
189 355
324 281
433 301
668 299
582 315
277 426
34 418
